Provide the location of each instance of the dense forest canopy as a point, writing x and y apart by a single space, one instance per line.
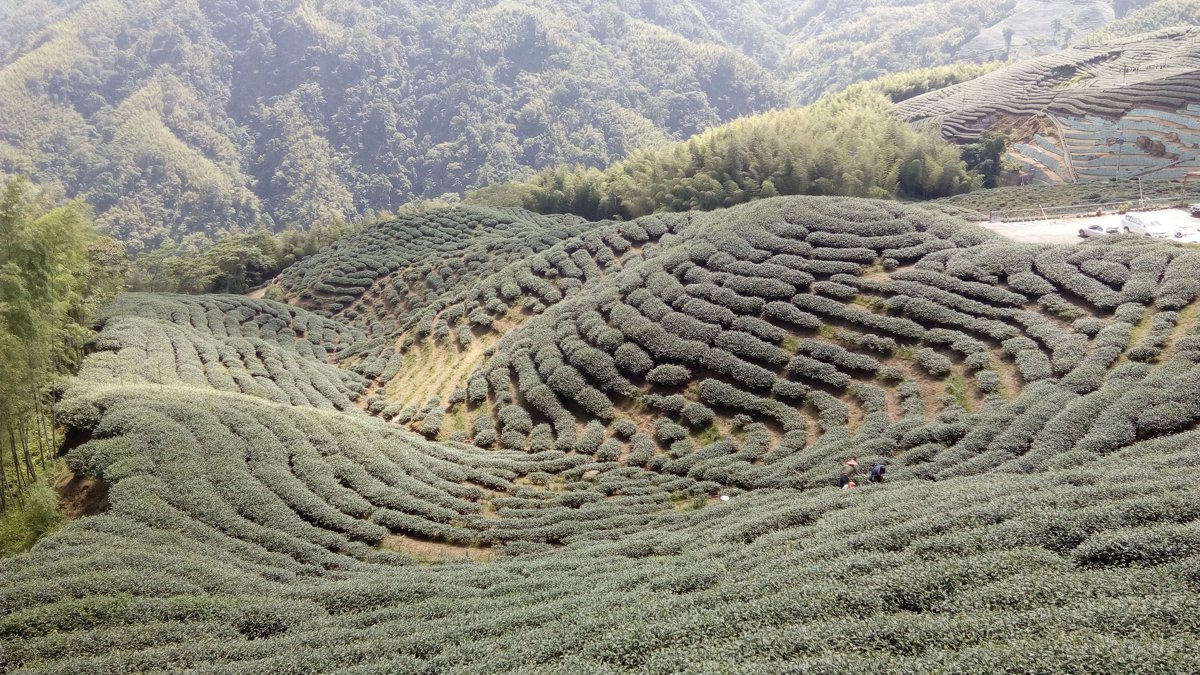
181 118
191 119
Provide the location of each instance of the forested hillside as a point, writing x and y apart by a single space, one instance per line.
190 119
179 118
584 394
850 144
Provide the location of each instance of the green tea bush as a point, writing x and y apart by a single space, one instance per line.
1038 509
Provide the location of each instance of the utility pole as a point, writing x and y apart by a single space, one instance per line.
1120 151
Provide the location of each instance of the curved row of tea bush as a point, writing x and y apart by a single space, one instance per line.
1036 406
226 343
988 573
1066 110
739 314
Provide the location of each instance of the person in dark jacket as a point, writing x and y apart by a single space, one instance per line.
877 472
849 473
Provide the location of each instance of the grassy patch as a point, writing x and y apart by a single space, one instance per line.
36 516
709 435
956 386
1188 317
637 402
516 310
865 301
683 502
1139 333
1079 77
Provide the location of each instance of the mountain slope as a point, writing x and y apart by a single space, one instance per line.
175 118
1033 403
178 119
880 289
1120 109
1151 17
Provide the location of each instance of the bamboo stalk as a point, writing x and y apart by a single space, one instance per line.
5 490
23 434
39 419
12 444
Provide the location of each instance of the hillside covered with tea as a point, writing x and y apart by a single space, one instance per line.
483 439
1122 109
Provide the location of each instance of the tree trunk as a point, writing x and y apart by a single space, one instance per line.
23 433
4 489
12 445
40 429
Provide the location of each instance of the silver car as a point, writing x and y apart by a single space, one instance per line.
1098 230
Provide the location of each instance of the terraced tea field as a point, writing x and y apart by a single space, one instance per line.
480 440
1117 110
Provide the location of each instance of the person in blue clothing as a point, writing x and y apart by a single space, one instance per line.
877 473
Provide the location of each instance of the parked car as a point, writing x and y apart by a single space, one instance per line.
1195 209
1140 224
1098 230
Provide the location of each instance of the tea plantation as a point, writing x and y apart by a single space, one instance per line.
481 440
1121 109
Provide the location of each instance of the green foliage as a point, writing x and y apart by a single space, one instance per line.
904 85
234 264
37 515
875 39
191 121
848 144
269 511
54 272
986 157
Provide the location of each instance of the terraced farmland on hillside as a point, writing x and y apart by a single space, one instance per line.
1121 109
594 388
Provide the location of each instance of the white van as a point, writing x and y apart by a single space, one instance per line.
1140 224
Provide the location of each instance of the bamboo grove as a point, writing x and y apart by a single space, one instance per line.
850 144
54 271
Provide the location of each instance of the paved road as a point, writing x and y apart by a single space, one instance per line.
1066 231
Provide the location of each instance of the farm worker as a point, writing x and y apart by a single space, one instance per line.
877 472
849 485
849 472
